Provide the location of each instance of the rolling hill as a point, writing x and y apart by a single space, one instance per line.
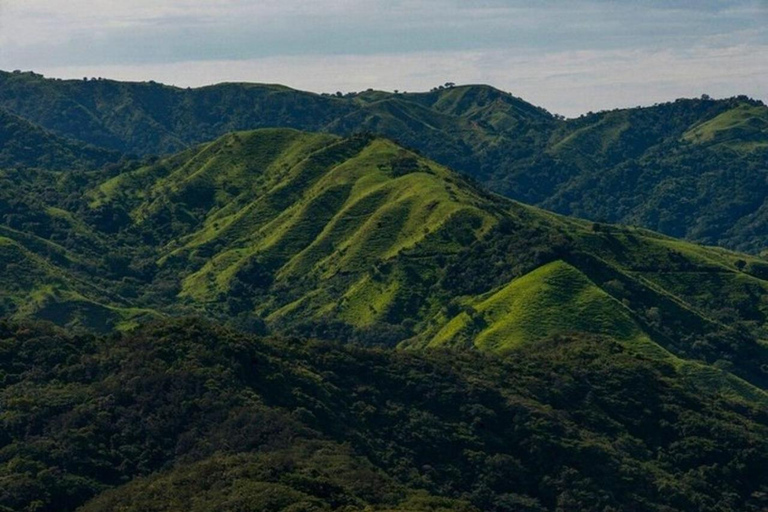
692 169
357 238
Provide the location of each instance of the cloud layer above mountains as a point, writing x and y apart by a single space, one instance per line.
569 57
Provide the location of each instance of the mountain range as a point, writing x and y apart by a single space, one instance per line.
692 169
494 355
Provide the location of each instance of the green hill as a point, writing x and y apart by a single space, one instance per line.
554 299
358 238
150 118
495 356
691 169
686 168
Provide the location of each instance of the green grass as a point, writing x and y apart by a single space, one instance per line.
594 139
743 128
317 209
555 299
359 231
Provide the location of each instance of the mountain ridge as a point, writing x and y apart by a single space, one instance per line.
660 167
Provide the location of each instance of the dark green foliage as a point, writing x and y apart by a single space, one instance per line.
204 413
24 145
635 371
157 119
644 167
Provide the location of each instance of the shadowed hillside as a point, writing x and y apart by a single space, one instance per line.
24 145
183 415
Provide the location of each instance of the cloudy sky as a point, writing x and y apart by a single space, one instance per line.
569 56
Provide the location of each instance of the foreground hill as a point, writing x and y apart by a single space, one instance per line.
693 168
187 416
360 239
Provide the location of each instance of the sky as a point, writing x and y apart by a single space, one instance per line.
568 56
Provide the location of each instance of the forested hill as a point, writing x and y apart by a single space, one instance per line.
151 118
692 168
359 239
380 332
187 416
24 145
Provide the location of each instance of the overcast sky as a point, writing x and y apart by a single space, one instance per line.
569 56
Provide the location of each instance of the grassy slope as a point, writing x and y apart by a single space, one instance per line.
558 300
33 286
313 208
302 229
553 300
327 236
743 128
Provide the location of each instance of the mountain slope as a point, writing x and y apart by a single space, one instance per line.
604 347
361 239
358 237
553 300
494 356
150 118
694 169
322 211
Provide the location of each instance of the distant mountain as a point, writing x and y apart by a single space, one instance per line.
150 118
692 168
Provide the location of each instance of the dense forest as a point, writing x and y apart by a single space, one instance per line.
184 415
692 168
